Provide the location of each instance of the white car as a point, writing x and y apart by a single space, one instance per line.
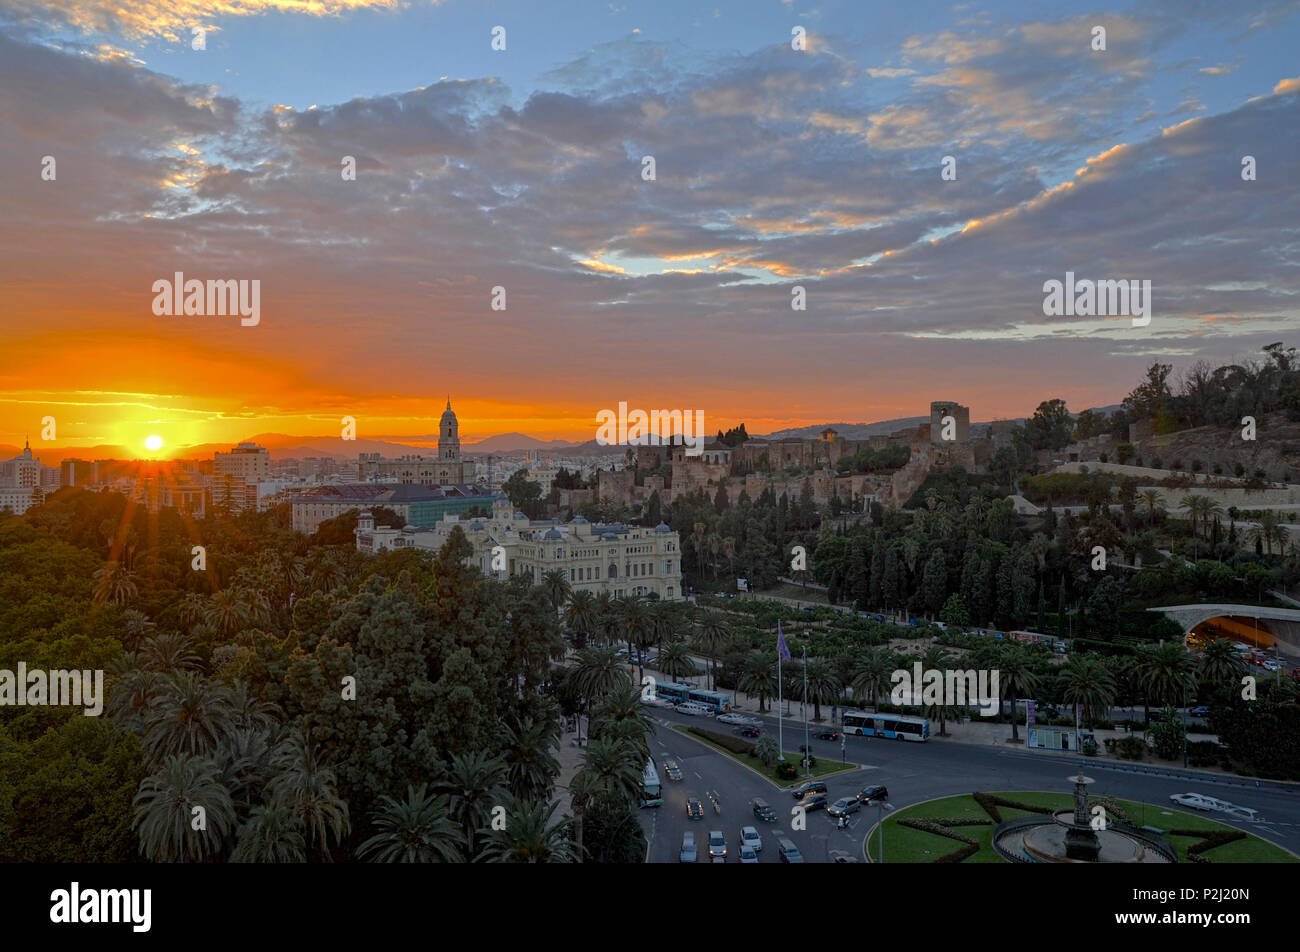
747 855
1199 801
693 709
738 719
749 838
717 846
1245 814
1271 666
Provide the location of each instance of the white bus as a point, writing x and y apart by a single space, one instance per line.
651 794
896 726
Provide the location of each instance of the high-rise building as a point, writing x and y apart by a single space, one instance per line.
247 461
77 472
23 471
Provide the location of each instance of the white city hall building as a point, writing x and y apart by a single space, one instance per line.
615 558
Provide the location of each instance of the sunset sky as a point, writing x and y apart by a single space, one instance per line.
522 169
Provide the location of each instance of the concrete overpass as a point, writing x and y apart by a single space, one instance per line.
1249 624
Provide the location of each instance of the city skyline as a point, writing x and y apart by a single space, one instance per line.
522 168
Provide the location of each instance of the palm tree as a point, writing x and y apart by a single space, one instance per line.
581 615
529 836
872 675
823 685
114 583
758 677
419 829
189 715
1154 500
131 692
227 612
248 711
1166 674
192 609
1268 530
474 784
136 626
610 772
183 790
308 790
1086 681
556 584
713 638
675 660
169 651
1016 678
940 659
1220 663
270 835
531 767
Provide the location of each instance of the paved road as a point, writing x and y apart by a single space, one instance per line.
913 772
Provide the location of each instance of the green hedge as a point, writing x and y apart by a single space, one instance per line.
734 744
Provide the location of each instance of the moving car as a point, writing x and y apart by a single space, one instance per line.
1196 801
762 810
811 786
749 838
839 856
694 709
826 733
1244 814
844 806
788 852
747 855
875 792
814 801
672 771
688 854
749 731
694 809
1271 665
717 846
740 719
1201 711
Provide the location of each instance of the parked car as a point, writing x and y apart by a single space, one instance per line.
814 801
749 837
826 733
844 806
788 852
839 856
875 792
671 770
717 846
763 810
747 855
811 786
688 854
694 809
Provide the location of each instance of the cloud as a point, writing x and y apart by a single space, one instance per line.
170 20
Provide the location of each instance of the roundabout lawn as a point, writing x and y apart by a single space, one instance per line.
907 845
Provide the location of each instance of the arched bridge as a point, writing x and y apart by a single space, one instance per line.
1251 624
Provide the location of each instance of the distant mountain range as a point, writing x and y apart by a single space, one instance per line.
282 445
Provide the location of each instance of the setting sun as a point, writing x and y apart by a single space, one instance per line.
153 443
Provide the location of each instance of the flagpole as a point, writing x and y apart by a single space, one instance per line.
780 722
806 752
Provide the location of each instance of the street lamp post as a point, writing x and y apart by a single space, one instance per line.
881 807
